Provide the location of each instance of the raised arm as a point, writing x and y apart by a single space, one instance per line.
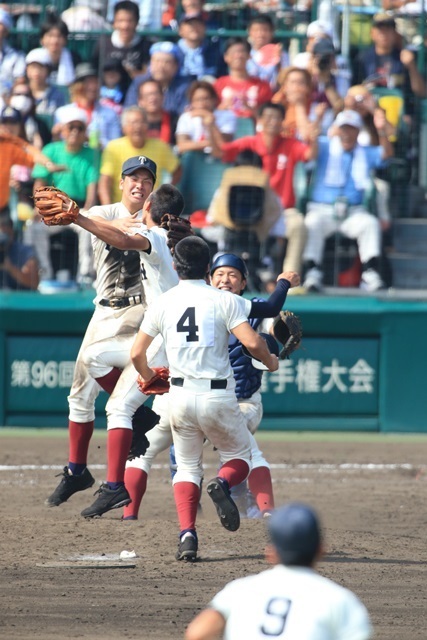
111 234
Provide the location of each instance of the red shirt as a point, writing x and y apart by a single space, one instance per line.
242 96
278 163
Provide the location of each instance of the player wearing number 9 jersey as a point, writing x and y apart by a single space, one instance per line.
290 601
195 321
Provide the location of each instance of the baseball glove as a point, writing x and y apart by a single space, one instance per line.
177 228
287 330
143 420
158 384
55 207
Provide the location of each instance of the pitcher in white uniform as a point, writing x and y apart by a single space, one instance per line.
290 601
195 321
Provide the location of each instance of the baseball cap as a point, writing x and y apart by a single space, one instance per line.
39 55
349 117
85 70
139 162
323 46
70 113
6 19
167 47
383 20
187 17
112 64
273 347
295 533
318 28
9 114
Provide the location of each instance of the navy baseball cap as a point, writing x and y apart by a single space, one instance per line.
9 114
230 260
295 533
139 162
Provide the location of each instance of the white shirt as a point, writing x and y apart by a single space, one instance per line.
157 272
195 321
291 603
193 127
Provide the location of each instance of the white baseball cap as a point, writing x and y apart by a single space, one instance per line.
349 117
318 28
70 113
6 19
40 55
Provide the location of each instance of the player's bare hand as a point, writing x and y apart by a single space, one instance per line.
273 363
407 57
292 276
126 224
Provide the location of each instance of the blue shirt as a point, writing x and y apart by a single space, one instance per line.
19 254
325 194
174 98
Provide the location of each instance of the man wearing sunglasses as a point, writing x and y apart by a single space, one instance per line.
80 178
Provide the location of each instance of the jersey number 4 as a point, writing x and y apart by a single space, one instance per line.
277 611
187 324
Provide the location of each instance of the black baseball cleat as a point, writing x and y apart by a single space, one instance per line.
144 419
69 485
108 499
226 508
187 549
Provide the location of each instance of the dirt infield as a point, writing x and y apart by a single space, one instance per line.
370 491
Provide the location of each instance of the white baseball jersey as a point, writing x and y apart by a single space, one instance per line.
292 603
118 272
195 321
157 271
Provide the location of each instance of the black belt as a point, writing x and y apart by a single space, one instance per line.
121 303
215 384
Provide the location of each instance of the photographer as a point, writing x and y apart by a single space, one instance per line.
18 264
322 66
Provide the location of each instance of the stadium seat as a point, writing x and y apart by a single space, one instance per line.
244 127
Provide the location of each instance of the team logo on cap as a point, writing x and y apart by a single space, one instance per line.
143 160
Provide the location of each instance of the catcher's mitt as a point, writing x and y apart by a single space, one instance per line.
177 228
158 384
55 207
287 330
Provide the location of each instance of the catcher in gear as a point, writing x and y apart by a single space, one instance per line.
54 206
287 329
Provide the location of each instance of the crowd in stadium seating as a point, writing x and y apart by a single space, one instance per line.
179 92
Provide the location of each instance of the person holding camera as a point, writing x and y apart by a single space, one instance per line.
18 263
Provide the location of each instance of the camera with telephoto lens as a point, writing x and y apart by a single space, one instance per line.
324 51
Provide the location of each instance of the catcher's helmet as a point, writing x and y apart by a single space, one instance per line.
230 260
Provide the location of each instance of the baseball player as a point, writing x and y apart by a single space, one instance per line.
119 308
232 272
195 321
291 600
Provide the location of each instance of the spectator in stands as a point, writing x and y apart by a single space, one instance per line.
200 56
18 263
53 37
384 64
407 14
279 156
165 62
124 44
103 124
12 62
21 99
266 59
85 16
239 91
194 129
295 95
340 70
80 179
196 7
342 177
16 154
150 13
48 98
161 123
112 91
135 142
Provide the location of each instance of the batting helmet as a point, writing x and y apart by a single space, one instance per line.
230 260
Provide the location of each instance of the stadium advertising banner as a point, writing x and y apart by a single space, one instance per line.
327 376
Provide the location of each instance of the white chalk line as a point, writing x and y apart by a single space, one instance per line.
345 466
